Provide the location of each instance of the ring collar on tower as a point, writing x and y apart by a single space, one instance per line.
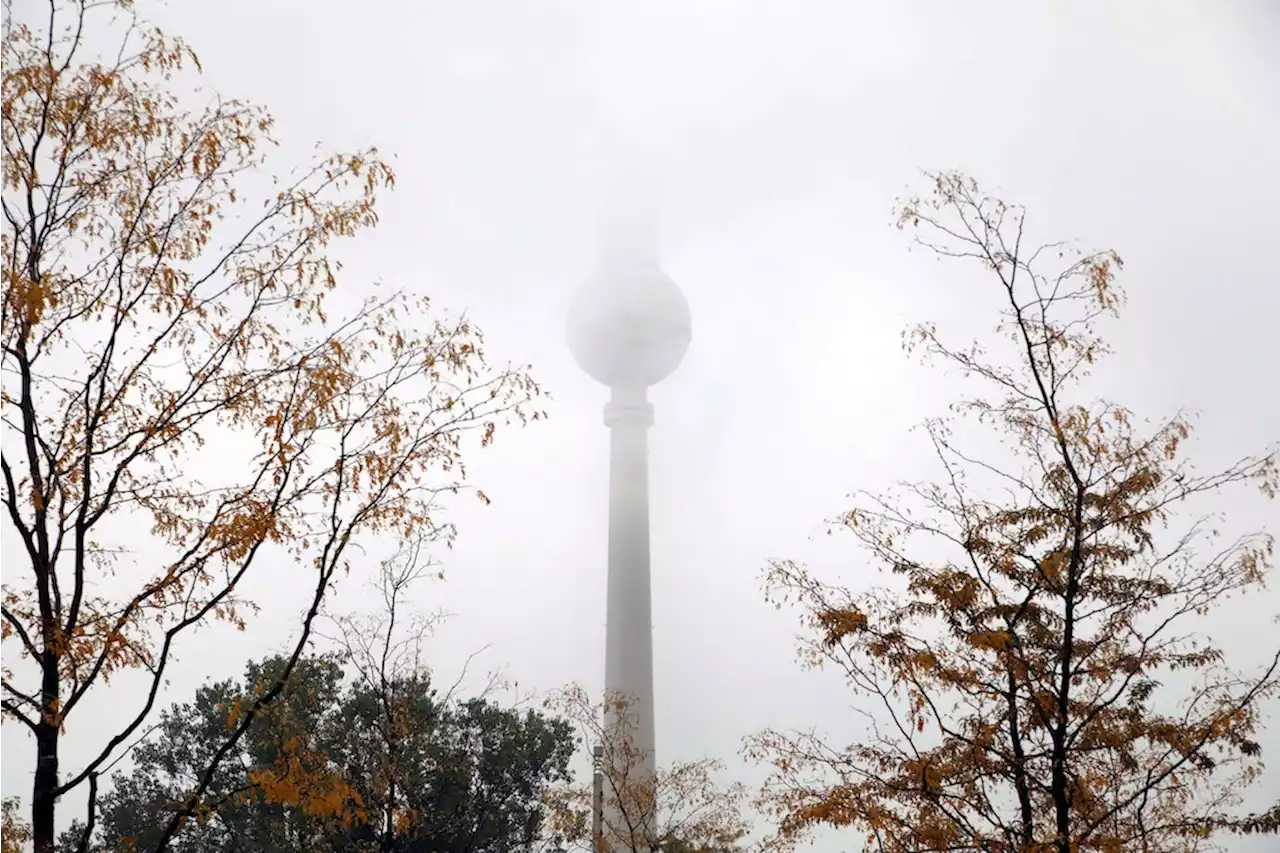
629 406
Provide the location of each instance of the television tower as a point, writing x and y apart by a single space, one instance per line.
629 328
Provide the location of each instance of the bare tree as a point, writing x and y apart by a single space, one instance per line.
681 807
385 650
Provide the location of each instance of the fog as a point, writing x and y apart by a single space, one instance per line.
765 143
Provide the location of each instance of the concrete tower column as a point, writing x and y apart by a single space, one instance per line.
628 668
629 329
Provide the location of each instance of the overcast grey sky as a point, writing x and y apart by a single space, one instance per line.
779 134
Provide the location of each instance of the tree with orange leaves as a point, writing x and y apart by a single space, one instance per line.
14 833
180 412
1035 677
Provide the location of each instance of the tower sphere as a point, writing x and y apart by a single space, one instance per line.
629 325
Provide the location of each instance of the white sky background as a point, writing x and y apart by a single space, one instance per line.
780 133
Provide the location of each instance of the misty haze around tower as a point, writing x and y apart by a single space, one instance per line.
558 192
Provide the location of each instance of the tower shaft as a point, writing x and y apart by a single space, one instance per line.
628 796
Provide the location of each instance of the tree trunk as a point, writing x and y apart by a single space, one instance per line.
46 781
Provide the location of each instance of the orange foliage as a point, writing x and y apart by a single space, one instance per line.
301 777
14 833
1016 670
179 405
